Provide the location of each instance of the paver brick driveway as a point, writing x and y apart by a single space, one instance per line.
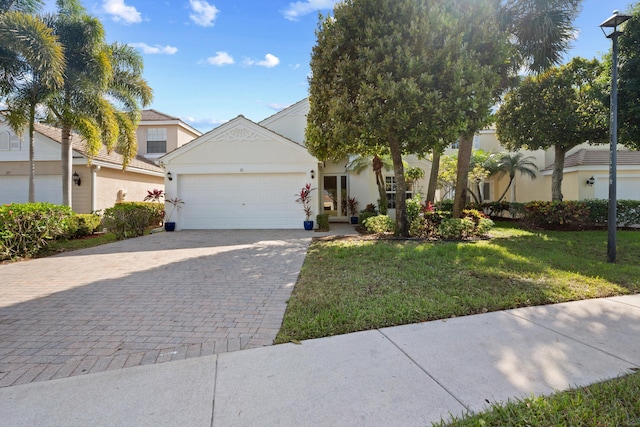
152 299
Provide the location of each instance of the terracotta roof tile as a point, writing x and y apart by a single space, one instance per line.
586 157
103 156
154 115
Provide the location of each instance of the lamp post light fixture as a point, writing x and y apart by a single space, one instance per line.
76 179
613 23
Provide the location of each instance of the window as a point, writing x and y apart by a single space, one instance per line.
9 141
390 189
156 140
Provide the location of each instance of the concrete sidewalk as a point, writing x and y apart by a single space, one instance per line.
407 375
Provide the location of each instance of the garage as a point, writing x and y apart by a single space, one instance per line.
626 188
15 189
241 175
232 201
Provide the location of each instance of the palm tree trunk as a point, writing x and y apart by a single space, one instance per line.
465 146
513 192
433 177
67 164
378 164
32 161
504 193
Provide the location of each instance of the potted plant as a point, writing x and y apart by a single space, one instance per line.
304 198
352 204
176 203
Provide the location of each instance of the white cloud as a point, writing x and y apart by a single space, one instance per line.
278 107
121 12
157 49
204 125
269 61
203 13
295 10
221 58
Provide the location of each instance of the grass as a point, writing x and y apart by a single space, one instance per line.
58 246
349 285
609 403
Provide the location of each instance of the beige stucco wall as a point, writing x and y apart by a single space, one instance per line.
134 185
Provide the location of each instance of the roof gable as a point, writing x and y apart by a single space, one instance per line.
238 140
300 108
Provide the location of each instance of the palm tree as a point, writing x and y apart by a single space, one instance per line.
512 163
31 65
360 163
539 32
103 91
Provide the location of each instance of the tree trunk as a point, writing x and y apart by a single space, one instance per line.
67 164
402 223
377 165
32 158
506 189
433 177
513 192
558 171
465 146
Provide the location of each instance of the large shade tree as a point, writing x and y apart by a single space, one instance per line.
539 32
560 109
31 66
397 77
629 81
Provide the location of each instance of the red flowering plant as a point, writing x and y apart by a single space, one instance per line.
154 195
304 197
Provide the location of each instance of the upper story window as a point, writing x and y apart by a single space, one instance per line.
476 143
9 141
156 140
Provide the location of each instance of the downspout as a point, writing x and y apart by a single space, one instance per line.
94 187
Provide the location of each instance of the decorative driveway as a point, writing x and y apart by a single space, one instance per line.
152 299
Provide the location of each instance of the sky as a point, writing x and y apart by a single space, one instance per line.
210 60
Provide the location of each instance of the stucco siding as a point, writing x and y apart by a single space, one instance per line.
134 185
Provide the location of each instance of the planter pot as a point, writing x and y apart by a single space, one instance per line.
169 226
308 225
354 220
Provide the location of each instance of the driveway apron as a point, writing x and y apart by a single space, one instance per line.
152 299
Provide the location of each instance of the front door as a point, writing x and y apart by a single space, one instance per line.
334 191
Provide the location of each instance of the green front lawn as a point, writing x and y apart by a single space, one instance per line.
609 403
353 284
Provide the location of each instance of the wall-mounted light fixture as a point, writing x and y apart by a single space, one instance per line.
76 179
591 181
169 177
313 174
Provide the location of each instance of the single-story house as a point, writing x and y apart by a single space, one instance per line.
245 174
98 184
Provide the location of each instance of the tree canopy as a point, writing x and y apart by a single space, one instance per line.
401 77
560 108
629 81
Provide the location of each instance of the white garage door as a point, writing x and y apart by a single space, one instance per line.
627 188
15 189
240 201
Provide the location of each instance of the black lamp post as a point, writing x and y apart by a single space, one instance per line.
612 218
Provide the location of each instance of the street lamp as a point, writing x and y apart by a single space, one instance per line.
612 218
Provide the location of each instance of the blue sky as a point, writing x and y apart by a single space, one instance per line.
211 60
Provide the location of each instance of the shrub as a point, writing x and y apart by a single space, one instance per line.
81 225
26 228
568 215
456 228
130 219
414 207
444 205
379 224
364 215
628 212
481 224
323 222
426 226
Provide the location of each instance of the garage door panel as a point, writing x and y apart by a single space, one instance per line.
240 201
626 188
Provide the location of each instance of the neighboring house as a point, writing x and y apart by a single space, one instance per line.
102 182
159 134
580 165
246 175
